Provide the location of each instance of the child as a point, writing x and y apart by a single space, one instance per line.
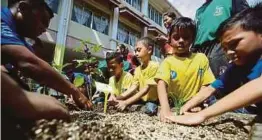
247 94
241 38
182 75
143 80
167 50
123 50
121 80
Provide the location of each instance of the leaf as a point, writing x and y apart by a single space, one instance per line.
79 81
66 64
79 48
96 48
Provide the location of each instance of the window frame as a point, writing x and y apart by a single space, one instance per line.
94 13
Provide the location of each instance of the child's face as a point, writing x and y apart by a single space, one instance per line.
241 46
181 39
142 52
114 67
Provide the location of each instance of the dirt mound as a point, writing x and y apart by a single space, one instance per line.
95 125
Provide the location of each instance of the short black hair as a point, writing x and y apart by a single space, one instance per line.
170 14
35 4
184 23
114 55
148 42
249 19
124 47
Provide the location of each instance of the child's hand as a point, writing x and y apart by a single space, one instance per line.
112 99
196 109
161 38
121 105
164 115
184 109
189 119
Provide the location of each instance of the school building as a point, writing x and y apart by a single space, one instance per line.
104 22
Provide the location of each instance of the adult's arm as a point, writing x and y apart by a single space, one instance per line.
27 105
39 70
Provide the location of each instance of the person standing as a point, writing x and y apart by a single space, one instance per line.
208 18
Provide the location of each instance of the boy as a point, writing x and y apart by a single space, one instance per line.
123 50
248 94
241 38
143 80
30 18
182 75
121 80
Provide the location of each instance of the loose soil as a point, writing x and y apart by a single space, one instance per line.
132 124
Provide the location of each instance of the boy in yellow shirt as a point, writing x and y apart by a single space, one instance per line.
182 75
121 80
143 80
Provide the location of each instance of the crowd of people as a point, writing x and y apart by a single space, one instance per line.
210 68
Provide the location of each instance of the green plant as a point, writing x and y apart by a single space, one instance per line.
177 102
89 62
87 48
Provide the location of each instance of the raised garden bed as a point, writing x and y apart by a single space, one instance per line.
95 125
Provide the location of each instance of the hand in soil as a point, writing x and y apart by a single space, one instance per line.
121 105
184 109
81 101
37 106
112 100
189 119
164 115
196 109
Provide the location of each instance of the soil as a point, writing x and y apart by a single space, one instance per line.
95 125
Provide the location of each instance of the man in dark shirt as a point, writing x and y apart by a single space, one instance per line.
30 18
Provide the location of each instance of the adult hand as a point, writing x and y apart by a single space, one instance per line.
189 119
81 100
121 105
38 106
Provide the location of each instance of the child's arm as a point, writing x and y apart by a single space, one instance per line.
163 99
243 96
122 104
127 93
202 95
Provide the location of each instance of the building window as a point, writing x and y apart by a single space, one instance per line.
53 4
135 3
82 15
154 15
100 24
127 35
